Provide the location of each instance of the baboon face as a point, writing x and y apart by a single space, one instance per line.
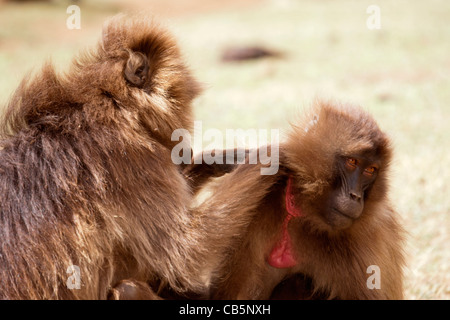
341 159
351 185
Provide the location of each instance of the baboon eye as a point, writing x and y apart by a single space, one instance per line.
351 163
370 171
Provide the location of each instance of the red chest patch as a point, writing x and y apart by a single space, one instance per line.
282 255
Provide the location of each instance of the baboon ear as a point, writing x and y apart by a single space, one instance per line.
136 69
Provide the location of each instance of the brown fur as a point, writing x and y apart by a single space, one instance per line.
332 263
132 290
86 176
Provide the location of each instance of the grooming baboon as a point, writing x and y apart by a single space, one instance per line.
86 177
325 220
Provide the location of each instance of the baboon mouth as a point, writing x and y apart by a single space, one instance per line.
336 211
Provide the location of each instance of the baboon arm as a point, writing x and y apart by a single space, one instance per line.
199 171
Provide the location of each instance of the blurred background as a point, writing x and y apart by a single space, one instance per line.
309 48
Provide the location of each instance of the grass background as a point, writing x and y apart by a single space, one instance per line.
400 73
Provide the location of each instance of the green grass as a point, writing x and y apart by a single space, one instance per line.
400 73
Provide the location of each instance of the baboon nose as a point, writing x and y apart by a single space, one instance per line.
355 196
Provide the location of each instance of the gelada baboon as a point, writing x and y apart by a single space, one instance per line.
89 194
326 225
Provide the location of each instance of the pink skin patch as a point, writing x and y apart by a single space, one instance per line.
282 255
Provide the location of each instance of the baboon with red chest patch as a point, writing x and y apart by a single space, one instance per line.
326 224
